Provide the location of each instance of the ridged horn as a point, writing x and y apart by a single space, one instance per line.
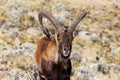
51 18
76 21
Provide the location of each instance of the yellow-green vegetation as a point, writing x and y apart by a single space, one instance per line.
97 35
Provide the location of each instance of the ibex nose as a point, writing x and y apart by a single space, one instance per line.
66 49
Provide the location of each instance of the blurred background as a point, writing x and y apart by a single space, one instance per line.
96 46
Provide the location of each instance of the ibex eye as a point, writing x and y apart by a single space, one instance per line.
57 35
65 30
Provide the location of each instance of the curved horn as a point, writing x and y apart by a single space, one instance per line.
76 21
52 19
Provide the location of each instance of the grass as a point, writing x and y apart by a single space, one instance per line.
101 16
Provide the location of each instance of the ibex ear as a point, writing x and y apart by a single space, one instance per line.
46 32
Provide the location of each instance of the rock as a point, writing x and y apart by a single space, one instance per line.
30 52
62 16
7 53
17 74
65 14
32 66
116 23
83 27
84 35
17 42
13 33
23 9
81 73
4 60
15 15
107 24
100 11
104 69
105 39
34 72
95 37
27 45
6 26
18 51
113 48
116 69
60 6
17 1
28 49
92 30
33 15
75 57
11 5
13 51
34 31
14 74
115 4
82 69
1 47
89 54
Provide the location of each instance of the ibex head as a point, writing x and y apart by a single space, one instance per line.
64 36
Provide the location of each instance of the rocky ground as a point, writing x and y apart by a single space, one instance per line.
96 46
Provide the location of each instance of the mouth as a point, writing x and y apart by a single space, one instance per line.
66 53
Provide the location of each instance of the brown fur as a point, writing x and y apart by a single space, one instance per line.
46 57
52 55
45 49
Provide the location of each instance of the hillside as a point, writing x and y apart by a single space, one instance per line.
96 46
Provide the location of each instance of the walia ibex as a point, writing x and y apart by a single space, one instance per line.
52 53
